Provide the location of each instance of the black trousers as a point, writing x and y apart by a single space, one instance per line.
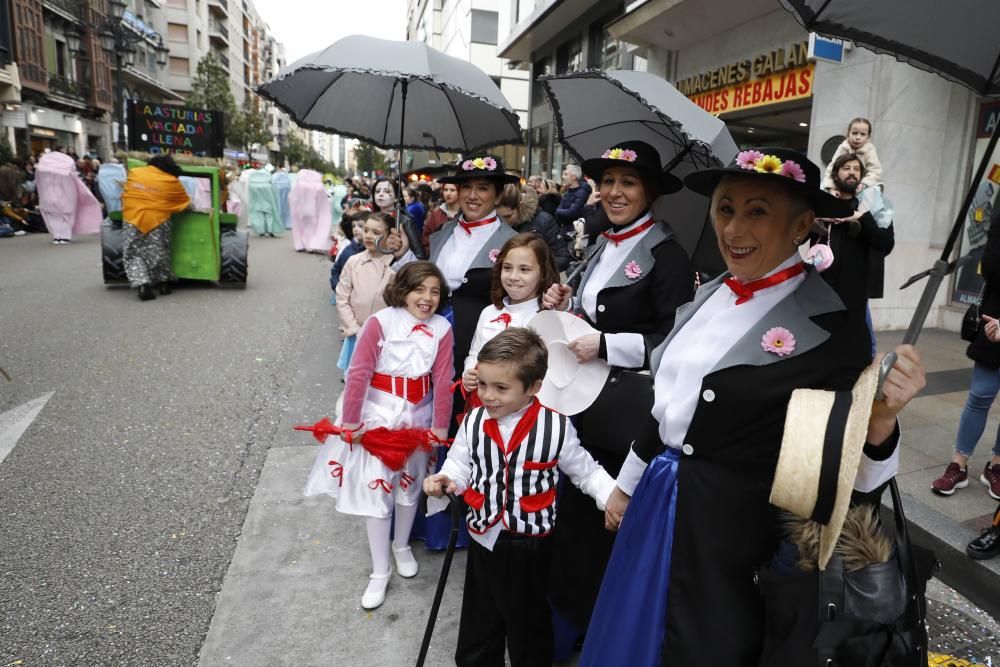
506 598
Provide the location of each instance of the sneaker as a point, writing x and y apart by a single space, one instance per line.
406 564
375 593
20 232
991 478
954 477
986 545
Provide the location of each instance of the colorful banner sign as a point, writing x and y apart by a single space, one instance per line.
784 86
164 128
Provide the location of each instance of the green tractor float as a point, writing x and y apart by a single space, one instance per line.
204 245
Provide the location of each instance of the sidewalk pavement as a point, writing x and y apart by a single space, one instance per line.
292 593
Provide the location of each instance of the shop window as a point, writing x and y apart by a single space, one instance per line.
569 57
540 67
484 27
177 32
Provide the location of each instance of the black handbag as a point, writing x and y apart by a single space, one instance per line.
871 617
971 319
624 403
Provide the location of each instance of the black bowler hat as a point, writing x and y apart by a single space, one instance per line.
776 164
485 166
636 154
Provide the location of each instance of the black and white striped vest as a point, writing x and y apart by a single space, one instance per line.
516 487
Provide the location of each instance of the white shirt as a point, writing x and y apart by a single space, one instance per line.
627 350
461 248
574 460
692 354
487 328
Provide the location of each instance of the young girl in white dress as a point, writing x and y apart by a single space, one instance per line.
399 378
523 269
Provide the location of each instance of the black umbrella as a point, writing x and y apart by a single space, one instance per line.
956 40
594 109
364 87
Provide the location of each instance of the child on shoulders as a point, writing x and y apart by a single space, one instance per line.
858 141
505 463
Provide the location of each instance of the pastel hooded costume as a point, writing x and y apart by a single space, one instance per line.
282 185
67 205
264 217
310 211
111 183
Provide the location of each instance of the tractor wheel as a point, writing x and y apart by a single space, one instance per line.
233 265
111 253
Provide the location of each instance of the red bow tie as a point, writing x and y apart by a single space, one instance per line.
744 291
469 226
422 328
505 318
618 238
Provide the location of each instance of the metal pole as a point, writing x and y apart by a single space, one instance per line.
399 171
119 104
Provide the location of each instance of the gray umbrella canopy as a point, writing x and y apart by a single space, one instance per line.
954 39
594 110
359 87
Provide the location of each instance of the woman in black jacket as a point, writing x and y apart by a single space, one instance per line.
985 383
519 208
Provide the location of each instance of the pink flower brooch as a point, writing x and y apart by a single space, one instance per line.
494 254
620 154
770 164
779 341
481 163
632 271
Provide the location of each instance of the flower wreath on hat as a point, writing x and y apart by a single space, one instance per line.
620 154
770 164
482 163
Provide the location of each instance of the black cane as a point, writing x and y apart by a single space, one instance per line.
456 521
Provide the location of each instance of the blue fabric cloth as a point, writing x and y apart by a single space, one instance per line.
630 618
418 213
353 248
346 352
111 183
282 184
982 393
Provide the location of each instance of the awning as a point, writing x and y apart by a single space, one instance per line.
143 80
548 19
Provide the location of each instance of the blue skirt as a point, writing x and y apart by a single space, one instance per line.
630 618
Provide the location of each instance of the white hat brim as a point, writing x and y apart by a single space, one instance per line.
569 387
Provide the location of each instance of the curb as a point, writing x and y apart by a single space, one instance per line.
978 580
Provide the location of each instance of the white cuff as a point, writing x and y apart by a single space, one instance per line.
626 350
873 474
631 472
397 264
599 487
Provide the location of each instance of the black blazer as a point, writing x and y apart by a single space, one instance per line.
469 299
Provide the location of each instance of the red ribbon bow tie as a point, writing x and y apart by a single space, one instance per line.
745 291
422 328
618 238
336 471
505 318
380 483
469 226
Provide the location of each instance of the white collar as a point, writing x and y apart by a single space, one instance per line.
632 225
526 306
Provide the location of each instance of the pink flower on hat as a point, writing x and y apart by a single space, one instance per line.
494 254
747 159
489 163
632 271
779 341
620 154
793 170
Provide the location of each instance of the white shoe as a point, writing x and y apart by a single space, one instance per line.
375 593
406 564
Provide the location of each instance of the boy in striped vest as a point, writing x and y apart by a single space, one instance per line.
505 462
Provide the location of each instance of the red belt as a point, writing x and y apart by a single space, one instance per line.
412 389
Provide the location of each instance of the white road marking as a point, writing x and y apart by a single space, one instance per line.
16 421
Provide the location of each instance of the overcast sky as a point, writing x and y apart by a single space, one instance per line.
304 26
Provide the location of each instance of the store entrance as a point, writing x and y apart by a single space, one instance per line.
778 125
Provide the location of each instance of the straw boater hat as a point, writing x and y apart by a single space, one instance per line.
483 165
569 387
793 167
825 434
636 154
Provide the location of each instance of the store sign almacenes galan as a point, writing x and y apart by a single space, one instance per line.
779 75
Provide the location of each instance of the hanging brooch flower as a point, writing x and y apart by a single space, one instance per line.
747 159
632 271
620 154
779 341
494 254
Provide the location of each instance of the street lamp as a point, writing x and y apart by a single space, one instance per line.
119 39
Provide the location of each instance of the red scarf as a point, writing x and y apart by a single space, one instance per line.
638 229
521 431
469 226
745 291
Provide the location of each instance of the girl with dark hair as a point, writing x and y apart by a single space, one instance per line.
519 208
399 380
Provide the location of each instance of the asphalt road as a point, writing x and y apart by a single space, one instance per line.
121 504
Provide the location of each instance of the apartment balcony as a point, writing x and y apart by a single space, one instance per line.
219 8
68 9
223 58
69 92
218 32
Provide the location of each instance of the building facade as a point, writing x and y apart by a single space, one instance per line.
748 62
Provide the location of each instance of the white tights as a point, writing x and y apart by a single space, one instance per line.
378 536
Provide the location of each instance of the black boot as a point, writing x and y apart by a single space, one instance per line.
146 292
165 288
986 545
